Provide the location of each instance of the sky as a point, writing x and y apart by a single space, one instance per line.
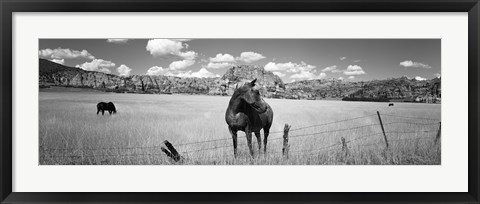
290 59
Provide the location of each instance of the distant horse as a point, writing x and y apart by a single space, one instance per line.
248 112
102 106
391 104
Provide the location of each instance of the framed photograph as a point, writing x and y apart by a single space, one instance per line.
265 101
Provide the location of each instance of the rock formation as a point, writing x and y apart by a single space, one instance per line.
271 86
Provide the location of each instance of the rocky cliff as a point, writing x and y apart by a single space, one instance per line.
59 75
271 86
53 74
399 89
270 83
395 89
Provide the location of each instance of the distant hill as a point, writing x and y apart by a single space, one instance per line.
51 73
394 89
399 89
48 67
272 86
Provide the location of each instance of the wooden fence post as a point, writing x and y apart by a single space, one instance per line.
171 152
438 133
383 129
344 146
286 146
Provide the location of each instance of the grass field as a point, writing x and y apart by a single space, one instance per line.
71 132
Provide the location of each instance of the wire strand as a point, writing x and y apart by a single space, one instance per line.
409 117
271 139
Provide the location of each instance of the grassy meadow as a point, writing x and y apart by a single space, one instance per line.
71 133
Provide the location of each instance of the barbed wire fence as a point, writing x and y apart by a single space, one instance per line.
343 140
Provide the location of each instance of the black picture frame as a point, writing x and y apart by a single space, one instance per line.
8 7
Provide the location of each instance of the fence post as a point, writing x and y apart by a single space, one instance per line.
383 129
173 153
286 146
344 146
438 133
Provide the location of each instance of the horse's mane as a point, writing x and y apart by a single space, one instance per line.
239 90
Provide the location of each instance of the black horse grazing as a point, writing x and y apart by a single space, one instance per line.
391 104
249 113
102 106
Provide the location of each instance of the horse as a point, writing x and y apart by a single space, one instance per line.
110 107
248 112
391 104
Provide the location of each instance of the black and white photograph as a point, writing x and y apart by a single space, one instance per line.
221 101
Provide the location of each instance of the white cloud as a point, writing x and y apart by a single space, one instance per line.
289 67
98 65
354 70
322 75
330 68
437 75
156 70
308 75
250 57
222 58
302 67
166 47
272 66
60 53
280 74
202 73
418 78
351 77
220 65
162 47
190 55
117 41
340 78
182 64
343 58
175 47
58 61
410 63
123 70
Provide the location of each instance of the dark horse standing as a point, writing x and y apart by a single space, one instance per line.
249 113
102 106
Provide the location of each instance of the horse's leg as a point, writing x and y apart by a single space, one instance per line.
259 140
103 111
98 111
234 138
265 139
248 133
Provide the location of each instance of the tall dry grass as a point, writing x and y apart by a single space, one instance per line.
71 133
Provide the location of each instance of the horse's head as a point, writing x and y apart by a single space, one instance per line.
251 96
111 107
